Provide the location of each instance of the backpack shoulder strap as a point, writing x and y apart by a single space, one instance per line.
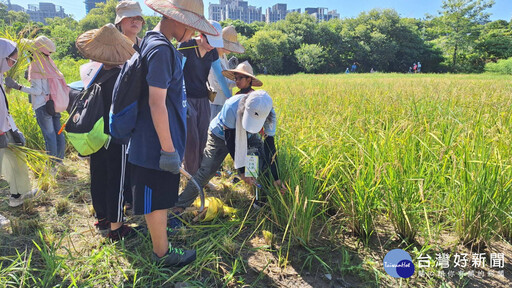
106 76
155 43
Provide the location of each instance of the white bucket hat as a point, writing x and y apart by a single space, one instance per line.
187 12
230 38
243 68
127 9
257 107
216 41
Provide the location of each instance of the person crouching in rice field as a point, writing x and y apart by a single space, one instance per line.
231 45
111 48
40 70
12 166
245 122
129 21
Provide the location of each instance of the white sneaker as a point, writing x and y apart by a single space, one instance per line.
15 202
3 221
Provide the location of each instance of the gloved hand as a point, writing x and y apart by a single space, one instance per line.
3 141
170 161
9 82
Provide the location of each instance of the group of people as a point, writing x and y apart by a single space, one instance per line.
177 124
415 68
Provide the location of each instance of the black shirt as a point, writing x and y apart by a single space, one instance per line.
196 69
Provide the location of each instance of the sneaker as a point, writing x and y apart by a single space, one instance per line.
123 232
3 221
103 227
17 200
176 257
258 204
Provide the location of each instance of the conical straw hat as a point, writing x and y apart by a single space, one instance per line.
105 45
243 68
188 12
230 38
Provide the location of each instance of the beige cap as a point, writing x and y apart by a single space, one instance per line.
188 12
243 68
127 9
230 38
42 44
105 45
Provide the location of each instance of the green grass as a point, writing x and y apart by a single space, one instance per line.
371 163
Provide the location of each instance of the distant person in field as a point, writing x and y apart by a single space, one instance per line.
410 69
109 47
129 21
231 45
40 70
419 67
354 67
201 56
246 121
12 166
347 71
414 67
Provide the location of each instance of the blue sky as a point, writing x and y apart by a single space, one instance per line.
347 8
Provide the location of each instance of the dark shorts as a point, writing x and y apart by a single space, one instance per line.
153 189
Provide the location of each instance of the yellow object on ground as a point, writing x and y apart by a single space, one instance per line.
214 208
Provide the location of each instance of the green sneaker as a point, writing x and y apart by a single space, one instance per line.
176 257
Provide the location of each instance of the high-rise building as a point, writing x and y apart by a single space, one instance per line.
322 14
276 13
234 9
90 4
43 11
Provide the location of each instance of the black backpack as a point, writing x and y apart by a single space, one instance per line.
130 87
85 125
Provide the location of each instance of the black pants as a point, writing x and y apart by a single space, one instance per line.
107 182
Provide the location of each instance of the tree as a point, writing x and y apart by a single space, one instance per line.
103 13
460 23
268 49
311 58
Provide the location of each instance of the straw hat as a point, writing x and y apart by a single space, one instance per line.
230 38
105 45
188 12
127 9
243 68
42 44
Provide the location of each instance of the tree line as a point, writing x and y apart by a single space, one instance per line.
461 39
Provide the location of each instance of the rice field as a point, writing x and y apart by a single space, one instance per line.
372 162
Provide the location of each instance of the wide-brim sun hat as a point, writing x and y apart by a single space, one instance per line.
245 69
105 45
257 107
187 12
127 9
230 38
216 41
42 44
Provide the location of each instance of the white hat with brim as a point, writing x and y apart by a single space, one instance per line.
42 44
216 41
257 107
245 69
105 45
230 38
127 9
187 12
